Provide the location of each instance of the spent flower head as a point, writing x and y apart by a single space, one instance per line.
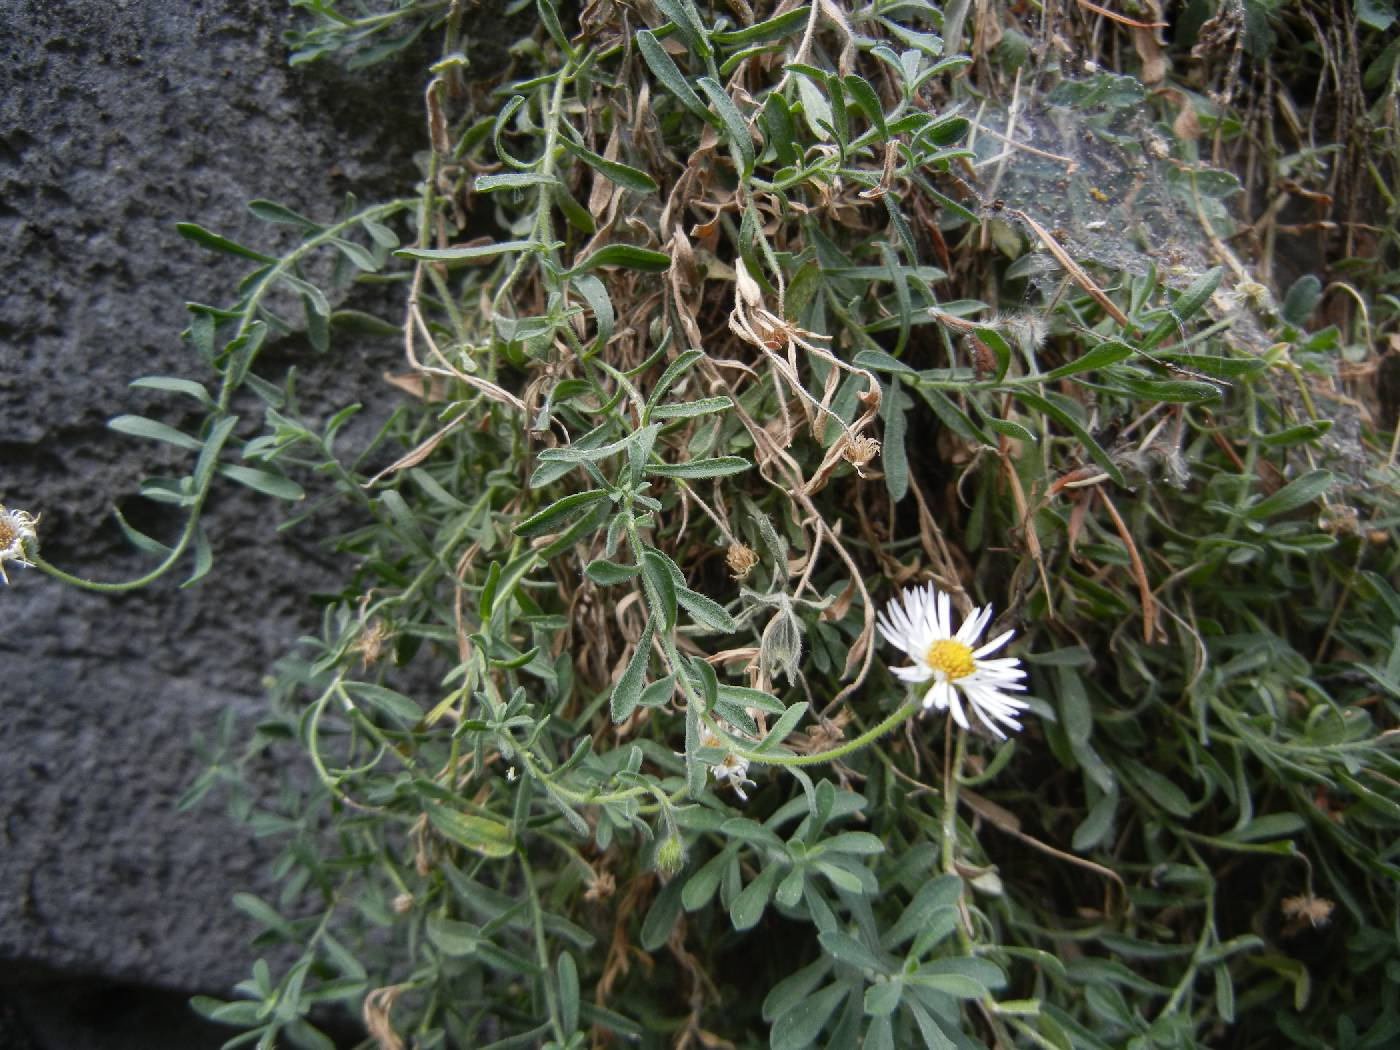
16 535
920 622
741 560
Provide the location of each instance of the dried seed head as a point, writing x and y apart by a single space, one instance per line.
741 560
378 1004
1254 294
403 903
984 359
750 294
601 888
1316 910
370 644
860 451
1027 330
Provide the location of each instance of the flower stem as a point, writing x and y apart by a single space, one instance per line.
954 756
830 755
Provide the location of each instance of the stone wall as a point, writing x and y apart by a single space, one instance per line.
118 119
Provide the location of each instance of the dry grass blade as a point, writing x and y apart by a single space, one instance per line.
1076 272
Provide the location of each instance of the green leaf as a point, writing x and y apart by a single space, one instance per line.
1060 415
605 318
745 697
893 455
170 385
260 480
985 973
883 998
701 886
140 426
585 452
1297 435
558 512
661 917
718 467
684 16
549 17
1159 789
567 970
683 363
691 409
513 180
785 724
623 174
657 569
1301 299
628 255
869 102
471 254
856 843
1297 493
1100 356
139 539
784 25
487 602
452 937
1186 306
664 69
1097 824
845 948
608 574
201 236
706 611
490 838
264 915
748 907
735 127
1171 391
395 705
271 211
1267 827
794 989
628 690
799 1027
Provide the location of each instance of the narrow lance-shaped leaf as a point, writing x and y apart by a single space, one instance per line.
628 690
623 174
664 68
718 467
558 512
735 127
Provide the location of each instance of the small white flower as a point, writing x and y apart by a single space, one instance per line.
920 621
734 768
16 530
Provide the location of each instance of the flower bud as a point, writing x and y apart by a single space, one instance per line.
670 855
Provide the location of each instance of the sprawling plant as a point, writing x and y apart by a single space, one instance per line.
716 339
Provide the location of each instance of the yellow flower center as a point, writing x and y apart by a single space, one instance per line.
8 534
952 658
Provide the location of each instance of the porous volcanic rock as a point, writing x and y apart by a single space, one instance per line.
117 120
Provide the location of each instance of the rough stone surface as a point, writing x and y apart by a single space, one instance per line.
116 120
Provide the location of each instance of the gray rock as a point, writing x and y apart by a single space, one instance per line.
116 120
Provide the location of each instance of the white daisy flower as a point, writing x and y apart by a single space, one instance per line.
920 621
16 530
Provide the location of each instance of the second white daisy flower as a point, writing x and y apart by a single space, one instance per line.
920 622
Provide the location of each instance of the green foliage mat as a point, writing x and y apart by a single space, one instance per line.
723 330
